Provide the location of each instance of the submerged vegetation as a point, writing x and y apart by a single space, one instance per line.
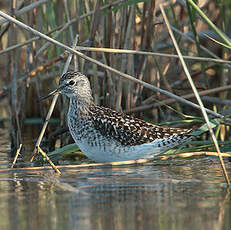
125 49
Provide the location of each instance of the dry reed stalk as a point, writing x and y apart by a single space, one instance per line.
68 20
124 51
201 46
194 75
44 66
39 150
139 88
148 53
32 63
131 163
62 28
54 100
13 70
83 166
127 76
25 9
28 77
94 24
75 59
224 37
171 100
226 177
130 60
196 38
124 62
147 29
63 105
110 82
96 86
16 156
95 20
193 154
216 100
7 26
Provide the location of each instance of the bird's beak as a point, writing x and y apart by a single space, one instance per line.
56 91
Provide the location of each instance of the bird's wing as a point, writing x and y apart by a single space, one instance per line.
129 130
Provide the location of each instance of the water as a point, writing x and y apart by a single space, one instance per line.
178 194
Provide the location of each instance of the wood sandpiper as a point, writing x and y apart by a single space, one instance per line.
105 135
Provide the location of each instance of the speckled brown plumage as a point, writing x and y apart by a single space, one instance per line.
127 129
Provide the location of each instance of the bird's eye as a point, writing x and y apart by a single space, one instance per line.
71 82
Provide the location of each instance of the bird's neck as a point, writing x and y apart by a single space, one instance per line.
80 108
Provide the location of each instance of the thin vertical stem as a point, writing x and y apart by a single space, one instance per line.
196 94
53 103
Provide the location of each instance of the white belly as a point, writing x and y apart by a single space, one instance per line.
109 152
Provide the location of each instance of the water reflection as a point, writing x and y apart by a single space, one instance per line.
153 196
